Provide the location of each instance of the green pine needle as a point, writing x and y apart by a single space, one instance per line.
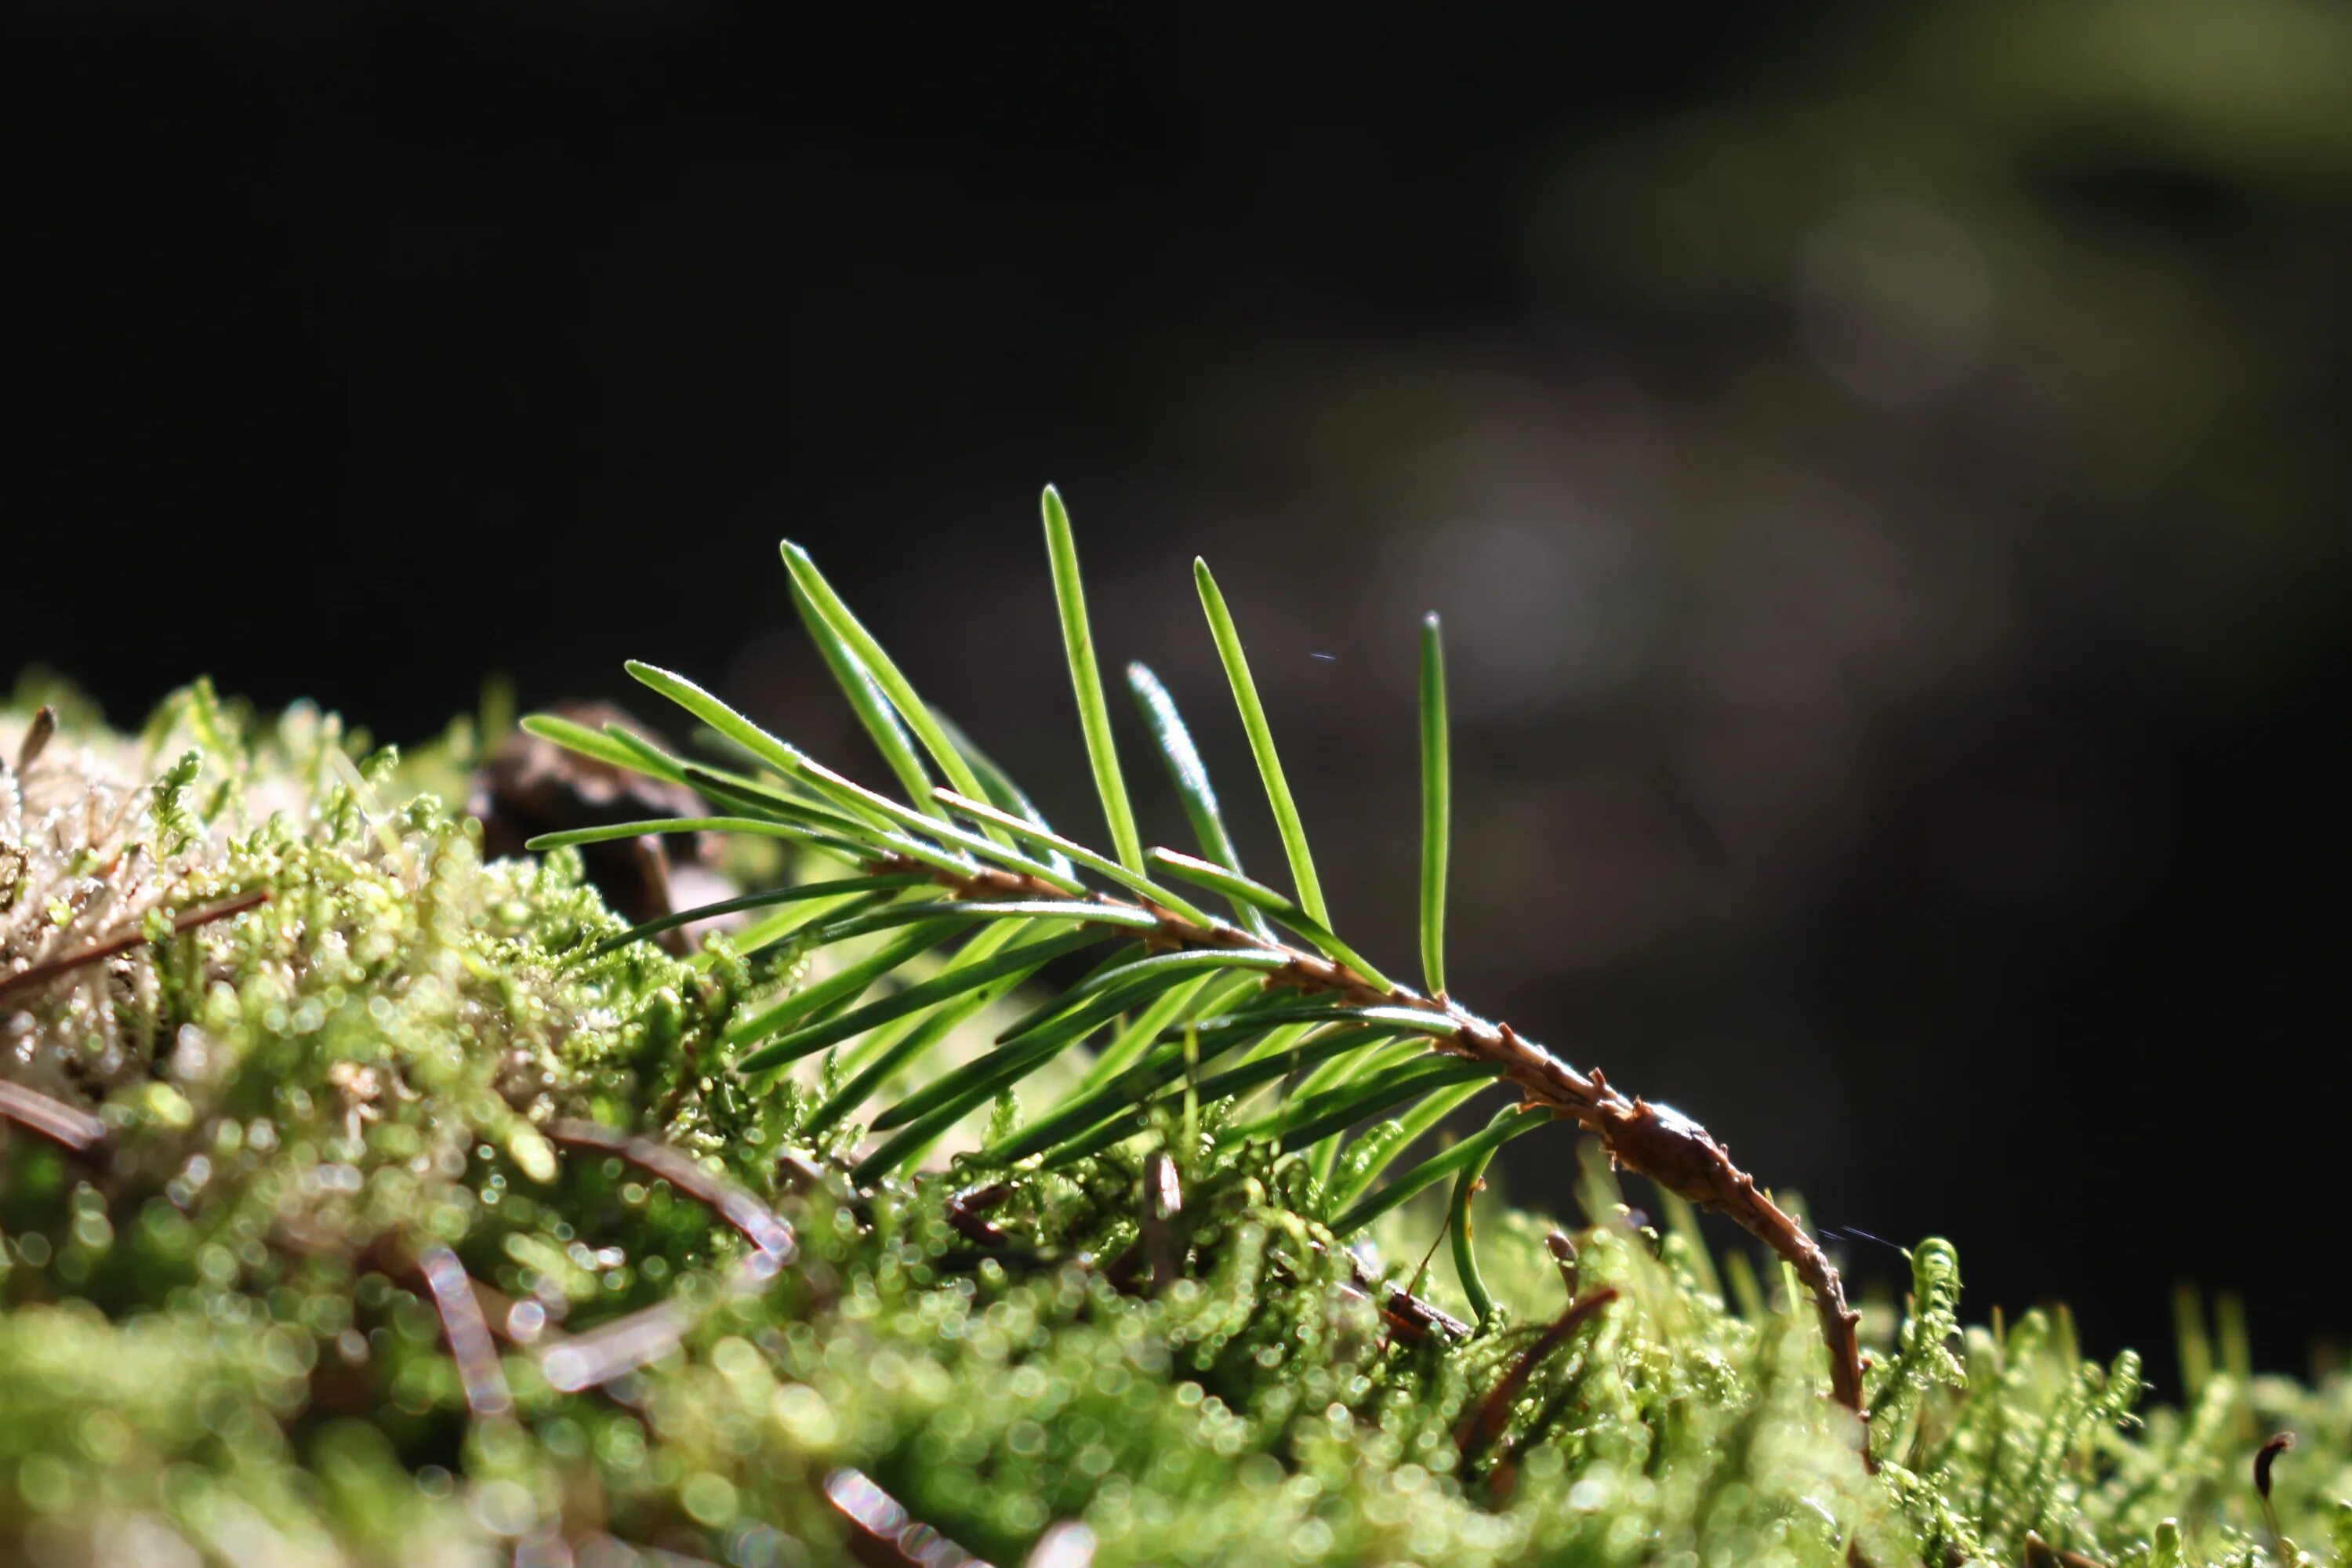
1003 793
845 983
758 827
722 718
1191 777
1305 1121
887 675
1078 854
1086 680
914 998
1518 1119
873 709
588 742
1193 998
1458 1223
1261 740
834 888
1230 1085
1242 890
1380 1148
1437 804
893 1049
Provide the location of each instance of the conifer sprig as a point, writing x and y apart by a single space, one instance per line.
1189 1013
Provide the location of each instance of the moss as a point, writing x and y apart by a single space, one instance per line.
221 1343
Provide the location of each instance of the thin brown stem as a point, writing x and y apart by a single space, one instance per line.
1652 1139
884 1532
968 1213
1494 1412
603 1354
75 1131
606 1352
2040 1553
1407 1315
759 1224
186 921
468 1332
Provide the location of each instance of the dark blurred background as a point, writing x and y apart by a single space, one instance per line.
1882 467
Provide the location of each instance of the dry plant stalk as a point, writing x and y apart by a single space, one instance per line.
1485 1423
76 1131
185 921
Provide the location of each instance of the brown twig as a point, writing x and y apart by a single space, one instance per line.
2040 1553
1406 1313
606 1354
759 1224
1403 1309
394 1255
884 1534
609 1351
967 1212
1656 1140
75 1131
653 868
801 1172
1493 1413
186 921
468 1333
883 1531
571 1363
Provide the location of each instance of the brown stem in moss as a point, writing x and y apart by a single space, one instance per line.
967 1214
2040 1553
597 1357
75 1131
759 1224
186 921
885 1533
1655 1141
468 1332
1494 1412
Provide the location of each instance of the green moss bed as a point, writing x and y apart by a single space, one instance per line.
325 1241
